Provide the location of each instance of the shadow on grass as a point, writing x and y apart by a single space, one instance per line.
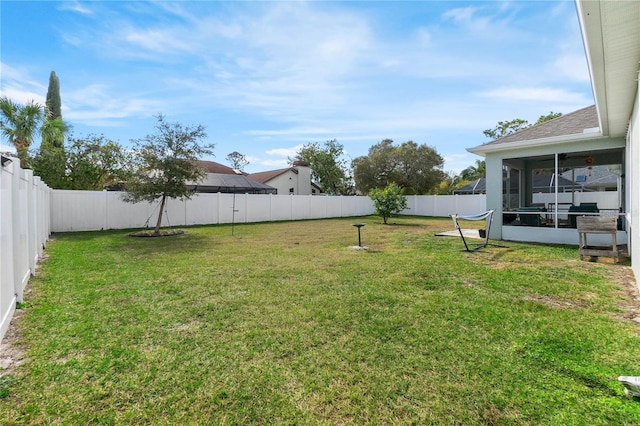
120 240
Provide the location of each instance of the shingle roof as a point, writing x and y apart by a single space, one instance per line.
229 183
572 123
213 167
268 175
479 186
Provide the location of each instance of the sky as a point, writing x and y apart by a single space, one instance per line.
267 77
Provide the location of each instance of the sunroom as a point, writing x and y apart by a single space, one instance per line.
539 180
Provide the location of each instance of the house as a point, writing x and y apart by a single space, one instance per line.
541 183
224 179
294 180
476 187
605 134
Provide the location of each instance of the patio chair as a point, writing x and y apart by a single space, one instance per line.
488 217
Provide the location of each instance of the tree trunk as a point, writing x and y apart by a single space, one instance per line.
22 149
162 203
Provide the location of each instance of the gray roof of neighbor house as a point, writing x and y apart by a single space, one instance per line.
231 183
479 186
596 176
576 122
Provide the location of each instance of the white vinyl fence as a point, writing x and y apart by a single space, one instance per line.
445 205
24 230
96 210
30 211
101 210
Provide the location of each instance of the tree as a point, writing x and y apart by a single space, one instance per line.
89 163
19 124
416 169
450 182
237 160
548 117
505 128
328 169
476 172
53 128
388 201
164 163
53 104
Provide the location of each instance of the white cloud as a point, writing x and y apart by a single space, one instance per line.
545 94
284 152
18 86
273 164
95 105
469 18
457 162
75 6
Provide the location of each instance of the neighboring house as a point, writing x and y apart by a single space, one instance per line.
295 180
596 178
541 183
606 134
476 187
224 179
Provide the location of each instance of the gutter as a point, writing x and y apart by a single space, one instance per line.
554 140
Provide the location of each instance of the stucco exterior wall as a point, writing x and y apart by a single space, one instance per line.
300 182
284 182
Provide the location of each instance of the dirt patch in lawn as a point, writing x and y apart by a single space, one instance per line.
11 354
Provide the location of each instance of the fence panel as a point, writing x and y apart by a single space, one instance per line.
20 212
24 229
7 288
202 210
95 210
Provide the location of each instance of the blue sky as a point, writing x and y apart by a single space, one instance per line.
266 77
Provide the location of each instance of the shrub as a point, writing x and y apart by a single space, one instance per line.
388 201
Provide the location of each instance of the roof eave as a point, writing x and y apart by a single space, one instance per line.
485 149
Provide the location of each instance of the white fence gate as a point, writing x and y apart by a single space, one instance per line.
24 229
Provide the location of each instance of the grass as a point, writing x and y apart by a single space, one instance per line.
283 323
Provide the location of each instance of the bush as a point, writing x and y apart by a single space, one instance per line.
388 201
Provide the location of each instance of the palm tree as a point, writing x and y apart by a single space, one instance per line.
19 123
53 131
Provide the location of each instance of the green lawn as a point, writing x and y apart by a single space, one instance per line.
283 323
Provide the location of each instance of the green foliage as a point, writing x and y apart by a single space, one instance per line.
88 163
238 161
547 117
53 131
472 173
388 201
5 385
53 128
20 124
417 169
505 128
163 163
53 104
328 169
